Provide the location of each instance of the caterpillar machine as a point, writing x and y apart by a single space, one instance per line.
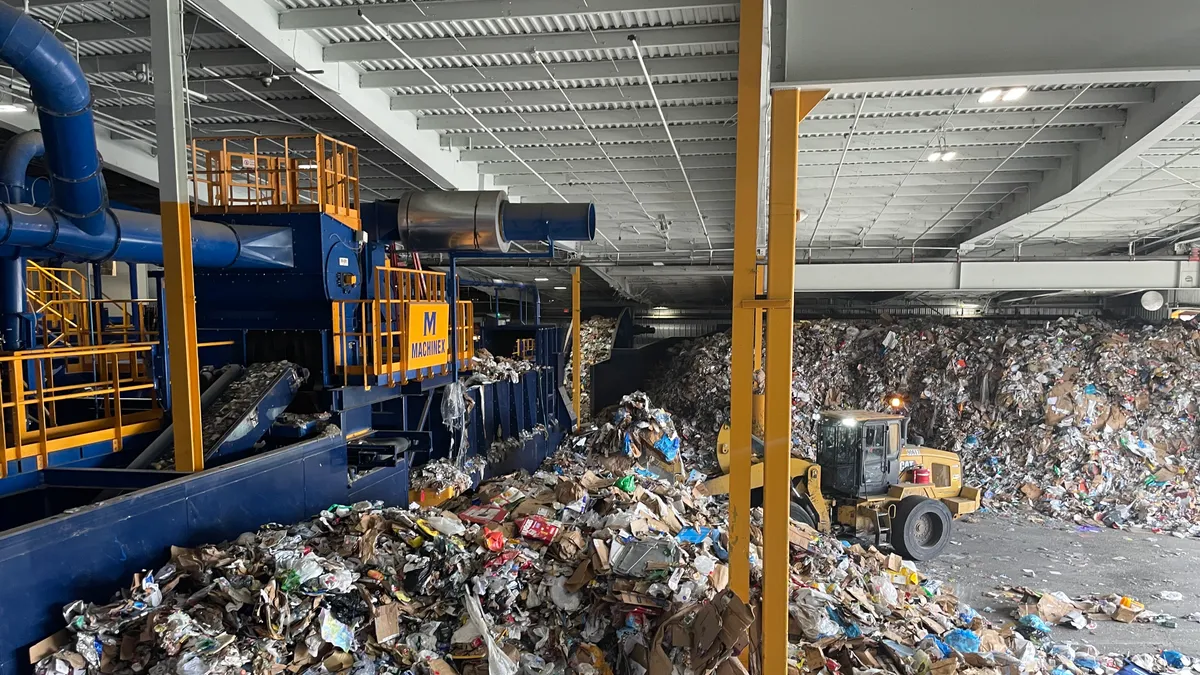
335 359
867 483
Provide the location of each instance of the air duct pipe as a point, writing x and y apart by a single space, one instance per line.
64 106
18 153
476 221
14 164
133 236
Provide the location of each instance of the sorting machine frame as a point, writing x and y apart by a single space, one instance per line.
292 266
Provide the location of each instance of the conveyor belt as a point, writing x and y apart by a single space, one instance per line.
246 410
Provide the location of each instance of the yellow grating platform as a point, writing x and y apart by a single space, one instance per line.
276 174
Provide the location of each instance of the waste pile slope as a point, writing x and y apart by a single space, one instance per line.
610 560
1080 417
595 344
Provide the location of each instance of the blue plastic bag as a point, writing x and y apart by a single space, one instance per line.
962 640
1086 662
694 535
669 447
1173 658
1036 623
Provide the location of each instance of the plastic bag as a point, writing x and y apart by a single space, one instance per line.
447 526
627 483
498 661
962 640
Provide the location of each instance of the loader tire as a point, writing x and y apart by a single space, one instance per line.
921 528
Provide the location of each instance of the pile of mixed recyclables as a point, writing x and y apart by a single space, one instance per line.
609 560
1084 419
487 367
595 344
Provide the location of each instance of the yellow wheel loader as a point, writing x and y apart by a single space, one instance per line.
867 483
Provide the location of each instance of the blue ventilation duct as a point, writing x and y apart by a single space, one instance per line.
548 222
64 106
14 164
134 236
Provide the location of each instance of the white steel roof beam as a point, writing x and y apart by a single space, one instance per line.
578 152
196 109
664 66
924 44
674 114
815 127
99 31
429 48
1094 163
881 133
634 93
197 58
477 10
257 23
1039 275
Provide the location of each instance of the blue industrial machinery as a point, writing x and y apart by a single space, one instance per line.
291 268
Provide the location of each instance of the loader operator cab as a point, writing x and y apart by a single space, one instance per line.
859 451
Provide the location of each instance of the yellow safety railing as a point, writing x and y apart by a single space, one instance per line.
46 288
525 349
31 400
465 325
276 174
97 322
372 337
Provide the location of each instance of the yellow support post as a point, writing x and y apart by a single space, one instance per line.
167 56
760 287
751 93
576 350
787 109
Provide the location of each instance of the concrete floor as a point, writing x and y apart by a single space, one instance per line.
992 550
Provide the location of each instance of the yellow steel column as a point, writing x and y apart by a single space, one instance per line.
167 55
760 399
576 350
751 89
788 107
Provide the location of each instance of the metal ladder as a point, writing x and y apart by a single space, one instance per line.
883 527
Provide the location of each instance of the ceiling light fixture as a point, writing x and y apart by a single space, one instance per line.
307 167
1006 94
934 156
560 288
660 308
1014 94
497 281
991 95
11 108
949 156
541 279
658 263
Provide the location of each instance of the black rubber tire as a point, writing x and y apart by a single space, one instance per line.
921 528
801 515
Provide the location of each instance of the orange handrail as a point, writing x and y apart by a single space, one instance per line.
117 371
277 174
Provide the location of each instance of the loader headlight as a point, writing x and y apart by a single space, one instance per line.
849 421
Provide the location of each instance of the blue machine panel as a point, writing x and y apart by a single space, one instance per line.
89 553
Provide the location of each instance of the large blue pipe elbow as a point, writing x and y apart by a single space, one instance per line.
64 104
14 165
548 222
